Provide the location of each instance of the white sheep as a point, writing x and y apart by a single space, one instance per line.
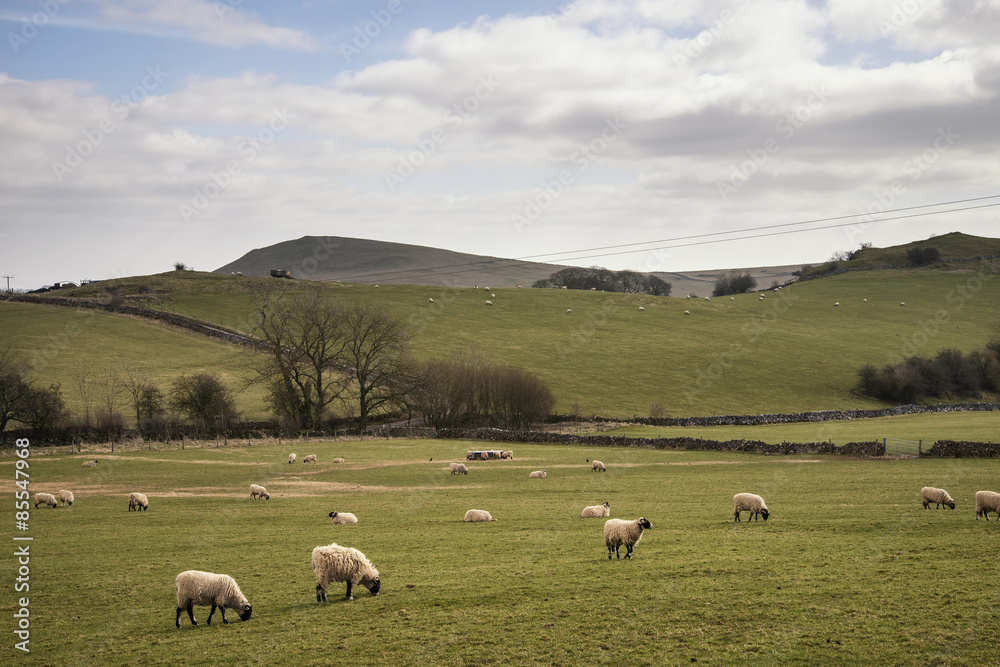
258 491
336 563
597 511
459 468
939 496
902 303
597 465
687 312
569 310
619 532
310 458
760 298
478 515
864 300
138 502
339 459
66 497
707 298
749 502
986 502
339 518
207 588
291 457
489 303
89 464
732 298
45 499
430 300
836 303
509 454
493 296
537 474
641 309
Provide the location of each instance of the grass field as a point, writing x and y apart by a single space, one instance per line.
849 569
792 351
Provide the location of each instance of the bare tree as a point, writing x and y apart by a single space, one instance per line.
110 390
139 387
14 386
204 399
85 389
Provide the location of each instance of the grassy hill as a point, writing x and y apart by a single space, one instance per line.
954 245
792 351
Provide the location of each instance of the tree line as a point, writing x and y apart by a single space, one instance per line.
949 374
606 280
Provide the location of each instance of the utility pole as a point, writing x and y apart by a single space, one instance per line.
8 283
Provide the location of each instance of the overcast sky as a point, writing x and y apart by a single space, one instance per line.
138 133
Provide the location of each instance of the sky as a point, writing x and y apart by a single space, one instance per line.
655 135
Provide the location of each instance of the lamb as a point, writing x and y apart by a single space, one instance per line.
986 502
597 465
478 515
310 458
749 502
291 457
339 459
257 491
336 563
939 496
537 474
618 532
460 468
45 499
509 454
342 517
138 502
66 497
207 588
89 464
597 511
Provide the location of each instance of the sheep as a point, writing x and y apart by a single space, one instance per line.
89 464
687 312
537 474
342 517
339 459
641 309
257 491
732 298
864 300
518 287
509 454
569 310
707 298
618 532
310 458
836 303
138 502
597 465
460 468
66 497
207 588
486 288
597 511
760 298
493 296
939 496
291 457
239 273
430 300
478 515
902 303
489 303
336 563
749 502
45 499
986 502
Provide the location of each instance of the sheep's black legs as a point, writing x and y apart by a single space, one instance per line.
190 611
210 614
320 594
224 619
629 554
350 587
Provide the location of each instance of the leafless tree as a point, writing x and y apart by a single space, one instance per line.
14 386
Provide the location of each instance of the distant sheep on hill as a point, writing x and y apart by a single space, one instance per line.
489 303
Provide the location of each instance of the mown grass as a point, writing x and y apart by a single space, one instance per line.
792 351
849 569
928 428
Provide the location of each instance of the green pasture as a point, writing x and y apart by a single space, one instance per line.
926 428
850 569
792 351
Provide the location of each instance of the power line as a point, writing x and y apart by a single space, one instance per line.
523 261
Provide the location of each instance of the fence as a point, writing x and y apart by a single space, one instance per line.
894 447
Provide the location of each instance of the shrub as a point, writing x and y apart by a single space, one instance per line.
734 282
919 256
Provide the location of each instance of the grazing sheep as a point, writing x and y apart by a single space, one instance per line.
836 303
597 465
732 298
760 298
138 502
518 287
291 458
239 273
687 312
986 502
864 300
537 473
342 517
509 454
89 464
66 497
749 502
460 468
939 496
310 458
336 563
641 309
902 303
569 310
597 511
486 288
619 532
493 296
339 459
478 515
45 499
430 300
489 303
207 588
257 491
708 298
